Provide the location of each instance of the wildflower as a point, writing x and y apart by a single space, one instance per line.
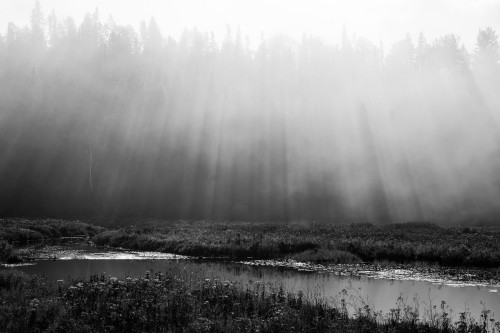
34 302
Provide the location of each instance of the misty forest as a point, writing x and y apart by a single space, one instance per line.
211 182
101 120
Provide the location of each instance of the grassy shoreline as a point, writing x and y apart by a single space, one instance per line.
173 303
457 246
318 243
179 302
18 231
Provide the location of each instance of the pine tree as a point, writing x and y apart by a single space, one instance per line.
54 29
487 52
38 28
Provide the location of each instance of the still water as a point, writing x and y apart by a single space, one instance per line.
381 294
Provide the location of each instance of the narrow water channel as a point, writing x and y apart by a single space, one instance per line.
382 294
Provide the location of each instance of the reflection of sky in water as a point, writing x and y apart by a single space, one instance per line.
382 294
89 253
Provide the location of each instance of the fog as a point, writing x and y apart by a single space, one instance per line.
99 119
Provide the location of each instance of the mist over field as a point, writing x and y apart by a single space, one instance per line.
99 119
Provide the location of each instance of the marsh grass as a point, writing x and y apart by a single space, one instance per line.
181 301
308 242
15 232
22 231
326 256
319 243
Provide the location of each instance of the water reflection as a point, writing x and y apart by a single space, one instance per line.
380 293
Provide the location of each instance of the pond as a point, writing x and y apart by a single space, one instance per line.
380 290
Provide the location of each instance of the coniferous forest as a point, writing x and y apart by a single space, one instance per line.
103 120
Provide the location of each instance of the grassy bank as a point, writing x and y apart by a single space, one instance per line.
306 242
322 243
175 303
23 231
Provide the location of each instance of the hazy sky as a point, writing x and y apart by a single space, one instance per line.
388 20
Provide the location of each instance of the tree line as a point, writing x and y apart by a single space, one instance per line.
98 119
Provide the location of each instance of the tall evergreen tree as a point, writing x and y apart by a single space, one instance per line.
487 52
38 28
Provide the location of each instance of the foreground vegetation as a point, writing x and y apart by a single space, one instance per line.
179 302
321 243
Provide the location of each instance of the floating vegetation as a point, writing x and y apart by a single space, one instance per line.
21 264
434 274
